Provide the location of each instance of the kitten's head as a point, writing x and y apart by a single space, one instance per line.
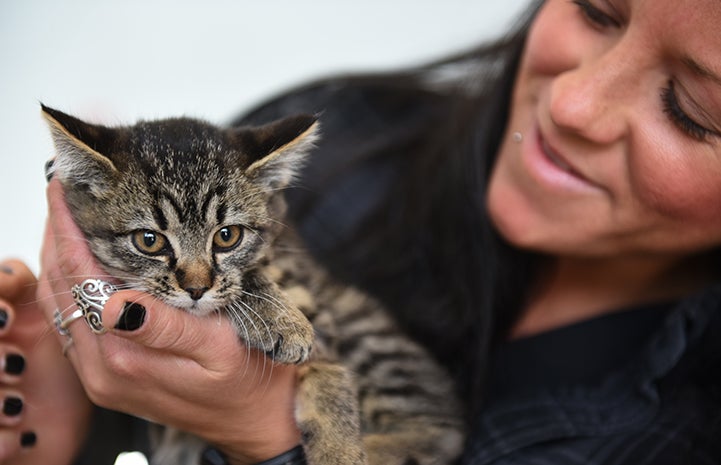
178 207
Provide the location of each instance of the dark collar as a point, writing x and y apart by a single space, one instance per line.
617 363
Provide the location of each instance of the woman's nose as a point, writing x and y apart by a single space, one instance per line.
592 99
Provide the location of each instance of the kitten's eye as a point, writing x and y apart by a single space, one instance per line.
227 238
150 242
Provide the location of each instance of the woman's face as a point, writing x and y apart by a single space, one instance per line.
619 106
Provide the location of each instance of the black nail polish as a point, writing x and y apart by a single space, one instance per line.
12 406
6 269
48 170
3 318
14 364
132 317
28 439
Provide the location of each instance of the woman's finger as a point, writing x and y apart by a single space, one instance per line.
11 407
72 254
16 279
12 364
10 444
7 315
66 261
147 321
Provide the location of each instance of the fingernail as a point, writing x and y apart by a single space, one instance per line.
14 364
12 406
132 317
3 318
48 170
28 439
6 269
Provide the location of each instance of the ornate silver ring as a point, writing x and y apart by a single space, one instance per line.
91 296
62 324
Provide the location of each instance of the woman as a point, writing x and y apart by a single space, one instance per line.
552 200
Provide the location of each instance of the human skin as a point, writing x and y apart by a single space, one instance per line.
177 369
614 180
624 231
55 409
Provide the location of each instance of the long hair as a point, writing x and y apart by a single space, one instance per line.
393 199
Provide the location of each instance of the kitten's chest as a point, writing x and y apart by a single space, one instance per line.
339 313
296 273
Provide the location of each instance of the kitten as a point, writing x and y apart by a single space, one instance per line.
192 213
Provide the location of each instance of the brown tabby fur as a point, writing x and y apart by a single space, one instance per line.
367 394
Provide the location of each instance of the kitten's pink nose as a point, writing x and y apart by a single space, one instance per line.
196 292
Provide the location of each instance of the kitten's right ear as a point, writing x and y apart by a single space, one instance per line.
79 161
278 149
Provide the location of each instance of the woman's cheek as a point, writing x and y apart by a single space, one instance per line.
676 180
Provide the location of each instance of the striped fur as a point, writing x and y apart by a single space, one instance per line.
191 213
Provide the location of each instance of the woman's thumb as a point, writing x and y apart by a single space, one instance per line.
148 321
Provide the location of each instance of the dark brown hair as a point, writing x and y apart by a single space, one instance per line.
393 199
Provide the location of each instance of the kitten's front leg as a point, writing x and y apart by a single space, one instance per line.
267 320
327 415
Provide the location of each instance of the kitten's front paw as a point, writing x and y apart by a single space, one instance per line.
293 343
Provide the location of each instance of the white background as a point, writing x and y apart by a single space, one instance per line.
118 61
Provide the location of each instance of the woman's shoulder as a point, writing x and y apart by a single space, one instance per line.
661 406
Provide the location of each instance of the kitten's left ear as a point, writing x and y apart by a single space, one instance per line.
277 150
81 151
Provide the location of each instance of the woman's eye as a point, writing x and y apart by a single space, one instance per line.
227 238
680 118
595 15
150 242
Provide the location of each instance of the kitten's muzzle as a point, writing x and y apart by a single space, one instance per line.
195 278
196 293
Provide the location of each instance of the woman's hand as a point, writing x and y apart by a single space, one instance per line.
164 364
45 410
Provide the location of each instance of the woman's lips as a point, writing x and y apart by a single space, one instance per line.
555 158
551 168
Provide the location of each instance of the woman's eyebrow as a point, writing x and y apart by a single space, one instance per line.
701 70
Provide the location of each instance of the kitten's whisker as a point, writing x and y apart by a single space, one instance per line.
219 312
267 330
245 313
237 322
242 315
272 219
279 222
50 327
237 318
289 248
258 235
47 297
268 298
278 303
124 281
78 237
242 318
81 277
69 309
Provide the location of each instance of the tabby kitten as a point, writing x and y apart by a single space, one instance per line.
193 214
